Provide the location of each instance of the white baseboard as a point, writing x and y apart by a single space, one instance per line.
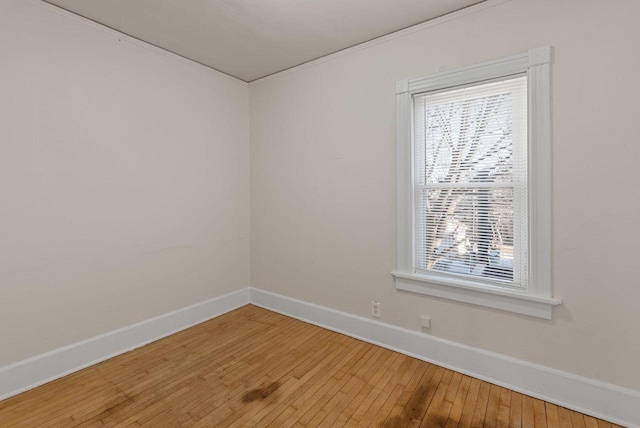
595 398
35 371
598 399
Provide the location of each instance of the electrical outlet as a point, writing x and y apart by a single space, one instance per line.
425 321
375 309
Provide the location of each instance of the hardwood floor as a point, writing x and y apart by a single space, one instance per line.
253 367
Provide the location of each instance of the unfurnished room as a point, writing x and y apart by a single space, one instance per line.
319 213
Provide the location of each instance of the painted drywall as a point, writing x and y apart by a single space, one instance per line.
124 181
323 224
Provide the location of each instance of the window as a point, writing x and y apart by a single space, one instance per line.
474 184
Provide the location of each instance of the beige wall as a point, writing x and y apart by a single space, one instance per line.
124 181
323 182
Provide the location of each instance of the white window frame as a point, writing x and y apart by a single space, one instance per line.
537 300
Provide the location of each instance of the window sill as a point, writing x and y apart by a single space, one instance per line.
464 291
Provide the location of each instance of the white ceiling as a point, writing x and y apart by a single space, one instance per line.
250 39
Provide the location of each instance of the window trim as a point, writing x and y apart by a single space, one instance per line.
537 300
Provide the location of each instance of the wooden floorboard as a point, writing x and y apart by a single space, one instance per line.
253 367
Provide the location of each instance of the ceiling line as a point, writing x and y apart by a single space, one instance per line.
486 4
328 57
44 4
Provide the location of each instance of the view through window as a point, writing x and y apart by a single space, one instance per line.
470 181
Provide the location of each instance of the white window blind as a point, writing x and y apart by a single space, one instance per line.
470 182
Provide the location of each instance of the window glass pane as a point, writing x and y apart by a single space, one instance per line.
467 231
468 133
470 175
